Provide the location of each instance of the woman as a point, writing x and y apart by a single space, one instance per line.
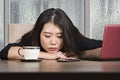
57 37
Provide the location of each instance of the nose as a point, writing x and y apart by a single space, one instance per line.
53 41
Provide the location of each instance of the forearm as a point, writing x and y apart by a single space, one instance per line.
45 55
13 53
94 53
56 55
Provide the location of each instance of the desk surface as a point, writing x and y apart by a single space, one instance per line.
53 70
54 66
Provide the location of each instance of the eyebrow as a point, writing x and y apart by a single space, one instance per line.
51 33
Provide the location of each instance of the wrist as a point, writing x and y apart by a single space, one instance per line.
45 55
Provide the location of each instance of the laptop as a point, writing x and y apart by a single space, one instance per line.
111 43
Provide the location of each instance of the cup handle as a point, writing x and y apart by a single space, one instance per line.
20 53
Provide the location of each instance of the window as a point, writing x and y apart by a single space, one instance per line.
1 24
27 11
103 12
89 16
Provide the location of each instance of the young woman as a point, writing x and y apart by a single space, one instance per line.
57 37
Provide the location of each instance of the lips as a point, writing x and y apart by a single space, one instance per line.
52 49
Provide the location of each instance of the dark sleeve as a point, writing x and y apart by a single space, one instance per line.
4 51
87 44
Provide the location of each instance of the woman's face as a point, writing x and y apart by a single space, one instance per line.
51 38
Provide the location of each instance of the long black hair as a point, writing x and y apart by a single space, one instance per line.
57 16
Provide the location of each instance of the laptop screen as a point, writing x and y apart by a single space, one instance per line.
111 42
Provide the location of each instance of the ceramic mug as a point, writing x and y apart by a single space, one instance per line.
29 52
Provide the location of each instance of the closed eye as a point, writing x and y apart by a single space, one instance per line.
47 36
60 36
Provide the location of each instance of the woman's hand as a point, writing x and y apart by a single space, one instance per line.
56 55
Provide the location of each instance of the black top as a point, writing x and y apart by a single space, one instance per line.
84 44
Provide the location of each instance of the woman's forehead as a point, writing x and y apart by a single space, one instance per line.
51 27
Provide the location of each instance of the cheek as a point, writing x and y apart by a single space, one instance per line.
61 44
43 42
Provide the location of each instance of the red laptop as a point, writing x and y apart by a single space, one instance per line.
111 43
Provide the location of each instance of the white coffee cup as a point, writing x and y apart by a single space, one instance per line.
29 52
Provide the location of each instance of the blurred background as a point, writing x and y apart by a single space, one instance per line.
89 16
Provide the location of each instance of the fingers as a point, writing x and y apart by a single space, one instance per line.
71 58
60 55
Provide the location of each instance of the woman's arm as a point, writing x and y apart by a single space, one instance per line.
13 54
4 53
93 53
56 55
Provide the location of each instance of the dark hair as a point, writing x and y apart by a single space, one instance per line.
70 33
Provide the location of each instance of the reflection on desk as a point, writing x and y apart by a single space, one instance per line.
52 66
